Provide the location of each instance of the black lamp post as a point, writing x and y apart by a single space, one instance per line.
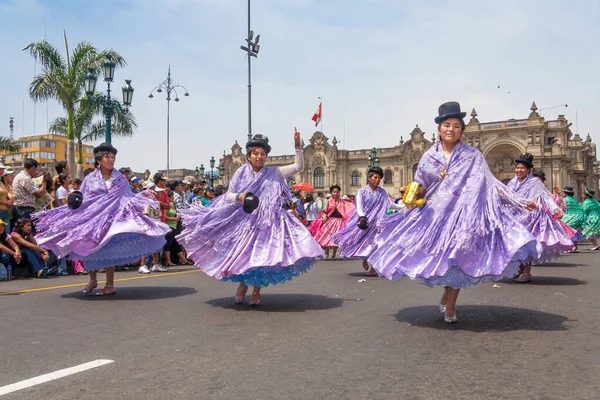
108 104
252 50
372 160
210 175
169 87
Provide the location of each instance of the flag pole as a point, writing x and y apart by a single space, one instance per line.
321 109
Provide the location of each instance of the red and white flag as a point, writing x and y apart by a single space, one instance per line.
318 114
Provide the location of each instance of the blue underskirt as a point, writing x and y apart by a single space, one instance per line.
272 275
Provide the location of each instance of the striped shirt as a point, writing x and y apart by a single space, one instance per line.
24 189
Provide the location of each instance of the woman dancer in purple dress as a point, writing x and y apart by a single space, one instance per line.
107 229
552 239
464 234
357 237
268 245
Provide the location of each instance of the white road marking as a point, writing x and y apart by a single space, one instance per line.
38 380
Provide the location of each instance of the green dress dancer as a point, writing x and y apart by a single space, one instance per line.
591 227
574 215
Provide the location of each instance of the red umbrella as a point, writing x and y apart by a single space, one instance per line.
304 187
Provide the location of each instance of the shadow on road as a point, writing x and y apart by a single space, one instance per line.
362 274
560 264
281 303
548 281
135 293
477 318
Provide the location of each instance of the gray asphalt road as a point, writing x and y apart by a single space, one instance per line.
324 335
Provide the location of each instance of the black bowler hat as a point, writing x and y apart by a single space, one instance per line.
590 192
525 159
74 200
568 190
376 170
250 203
105 147
259 141
448 110
541 175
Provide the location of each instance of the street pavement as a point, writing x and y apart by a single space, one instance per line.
324 335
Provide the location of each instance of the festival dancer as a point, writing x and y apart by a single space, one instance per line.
560 202
331 220
232 242
107 229
574 215
552 239
357 237
465 234
591 228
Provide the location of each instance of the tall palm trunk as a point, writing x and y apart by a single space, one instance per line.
79 170
70 137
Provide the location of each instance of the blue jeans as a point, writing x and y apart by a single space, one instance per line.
34 259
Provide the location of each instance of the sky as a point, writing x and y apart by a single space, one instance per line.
381 67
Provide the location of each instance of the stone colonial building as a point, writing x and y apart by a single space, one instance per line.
566 158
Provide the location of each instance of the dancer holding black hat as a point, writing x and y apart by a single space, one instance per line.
591 228
246 236
552 240
104 225
357 237
574 215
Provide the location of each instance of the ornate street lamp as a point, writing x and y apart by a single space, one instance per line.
108 104
213 175
169 87
251 50
372 160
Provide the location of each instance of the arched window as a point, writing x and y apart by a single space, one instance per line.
387 177
414 170
319 178
355 178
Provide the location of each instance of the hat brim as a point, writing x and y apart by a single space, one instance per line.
442 118
105 147
524 162
376 170
259 143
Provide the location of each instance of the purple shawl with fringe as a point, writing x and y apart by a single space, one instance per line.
103 214
354 242
224 241
465 224
552 238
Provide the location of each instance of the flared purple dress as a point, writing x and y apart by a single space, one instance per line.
354 242
108 229
268 246
551 237
464 234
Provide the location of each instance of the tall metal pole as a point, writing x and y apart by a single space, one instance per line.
108 112
249 80
168 131
169 87
552 163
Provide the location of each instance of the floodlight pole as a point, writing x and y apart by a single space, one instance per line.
249 80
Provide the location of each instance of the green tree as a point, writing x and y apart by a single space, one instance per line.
62 78
87 128
7 145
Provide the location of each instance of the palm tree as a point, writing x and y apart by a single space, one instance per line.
62 78
7 145
86 129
